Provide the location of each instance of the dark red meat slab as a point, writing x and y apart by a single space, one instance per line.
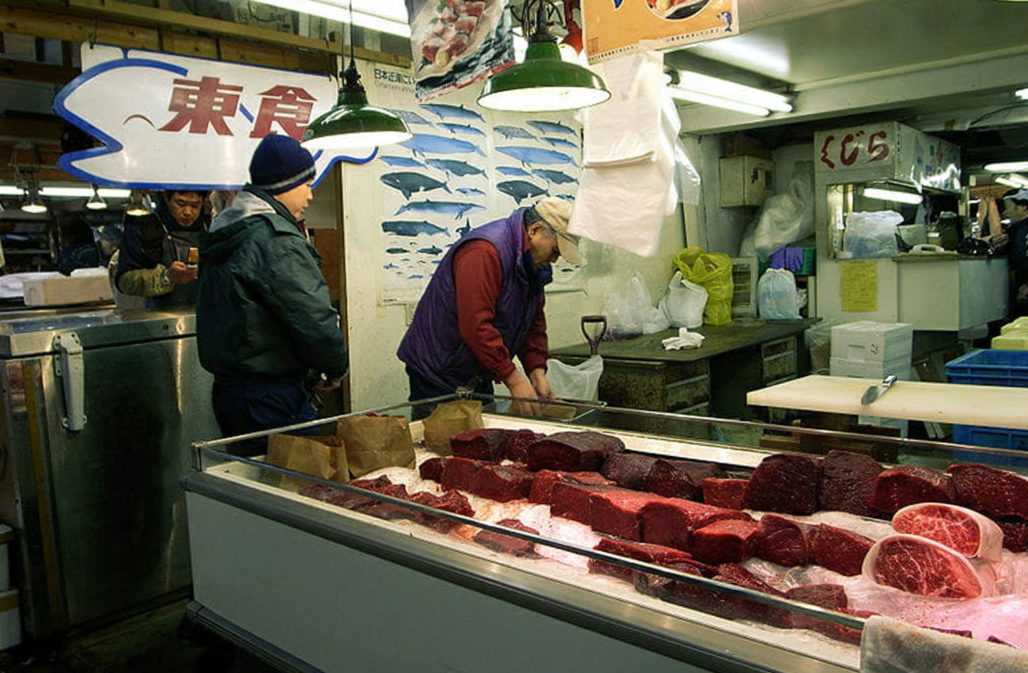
545 480
459 473
640 551
482 444
451 501
725 541
728 493
317 491
571 501
573 451
502 483
847 482
906 485
517 447
990 491
356 500
998 641
785 483
628 470
670 521
783 541
962 633
507 544
1015 534
432 469
827 596
839 550
616 511
679 478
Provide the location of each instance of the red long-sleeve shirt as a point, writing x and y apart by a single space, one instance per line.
478 277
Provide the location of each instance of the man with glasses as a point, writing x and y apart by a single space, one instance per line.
484 306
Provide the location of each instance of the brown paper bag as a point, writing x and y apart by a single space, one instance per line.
374 442
323 457
449 419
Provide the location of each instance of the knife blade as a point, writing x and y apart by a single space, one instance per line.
877 390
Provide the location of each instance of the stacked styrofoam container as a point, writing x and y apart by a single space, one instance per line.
10 618
874 350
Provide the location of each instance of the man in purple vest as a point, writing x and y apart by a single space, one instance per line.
484 306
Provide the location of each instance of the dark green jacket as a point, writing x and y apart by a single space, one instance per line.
263 311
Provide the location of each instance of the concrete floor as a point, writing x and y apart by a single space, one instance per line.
148 643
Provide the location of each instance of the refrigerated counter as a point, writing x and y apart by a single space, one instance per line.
98 410
312 586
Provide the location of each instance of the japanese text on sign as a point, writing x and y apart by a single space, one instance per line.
858 147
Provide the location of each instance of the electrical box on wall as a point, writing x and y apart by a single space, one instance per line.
745 181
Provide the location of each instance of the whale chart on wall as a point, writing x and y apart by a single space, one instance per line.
464 167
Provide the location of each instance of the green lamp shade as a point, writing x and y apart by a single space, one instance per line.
353 124
543 83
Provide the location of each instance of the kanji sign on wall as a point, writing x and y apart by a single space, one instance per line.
172 121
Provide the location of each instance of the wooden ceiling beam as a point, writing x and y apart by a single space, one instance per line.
27 71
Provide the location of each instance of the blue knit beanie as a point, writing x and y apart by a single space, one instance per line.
279 164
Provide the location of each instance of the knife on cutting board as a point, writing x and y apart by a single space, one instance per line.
877 390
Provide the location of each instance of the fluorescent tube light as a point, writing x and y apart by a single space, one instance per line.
883 194
1007 166
66 192
1008 182
715 101
1022 94
722 88
388 16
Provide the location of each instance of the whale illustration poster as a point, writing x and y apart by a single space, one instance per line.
167 121
618 27
463 167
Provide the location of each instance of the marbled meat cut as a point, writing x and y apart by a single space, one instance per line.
432 469
482 444
1015 534
573 451
827 596
728 493
545 480
571 501
961 529
905 485
990 491
640 551
502 483
923 567
847 481
839 550
451 501
786 483
628 470
679 478
725 541
616 512
783 541
508 544
517 447
670 521
459 473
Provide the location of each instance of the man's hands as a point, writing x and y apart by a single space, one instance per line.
525 403
180 274
541 384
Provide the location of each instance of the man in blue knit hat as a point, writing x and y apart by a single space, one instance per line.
264 318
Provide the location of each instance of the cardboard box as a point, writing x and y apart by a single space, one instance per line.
68 290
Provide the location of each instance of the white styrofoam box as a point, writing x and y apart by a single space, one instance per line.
872 341
68 290
6 537
10 620
859 369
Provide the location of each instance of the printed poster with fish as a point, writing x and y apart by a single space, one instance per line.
463 167
618 27
455 43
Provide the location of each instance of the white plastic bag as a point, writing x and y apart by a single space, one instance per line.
630 311
872 234
777 298
784 218
684 302
576 382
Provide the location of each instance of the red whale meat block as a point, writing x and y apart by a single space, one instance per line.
847 482
990 491
727 493
906 485
923 567
317 491
482 444
640 551
785 483
432 469
573 451
571 501
507 544
827 596
783 541
998 641
545 480
628 470
352 500
459 473
1015 534
726 541
839 550
502 483
712 600
451 501
616 511
670 522
679 478
960 633
517 447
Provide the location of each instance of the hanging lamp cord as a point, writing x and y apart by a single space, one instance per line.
352 78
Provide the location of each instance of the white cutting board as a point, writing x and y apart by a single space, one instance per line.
990 406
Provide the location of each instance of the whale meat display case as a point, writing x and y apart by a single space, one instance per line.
393 572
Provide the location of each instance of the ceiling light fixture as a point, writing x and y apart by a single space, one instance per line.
889 193
33 203
389 16
95 202
1013 180
139 205
353 124
1007 166
542 82
740 93
1022 93
706 99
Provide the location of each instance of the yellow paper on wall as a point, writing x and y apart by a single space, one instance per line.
859 287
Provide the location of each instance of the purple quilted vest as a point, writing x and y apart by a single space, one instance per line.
433 346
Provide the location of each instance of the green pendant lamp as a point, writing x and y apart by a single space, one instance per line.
352 124
543 82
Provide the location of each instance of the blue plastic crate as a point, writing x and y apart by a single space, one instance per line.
996 438
990 368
